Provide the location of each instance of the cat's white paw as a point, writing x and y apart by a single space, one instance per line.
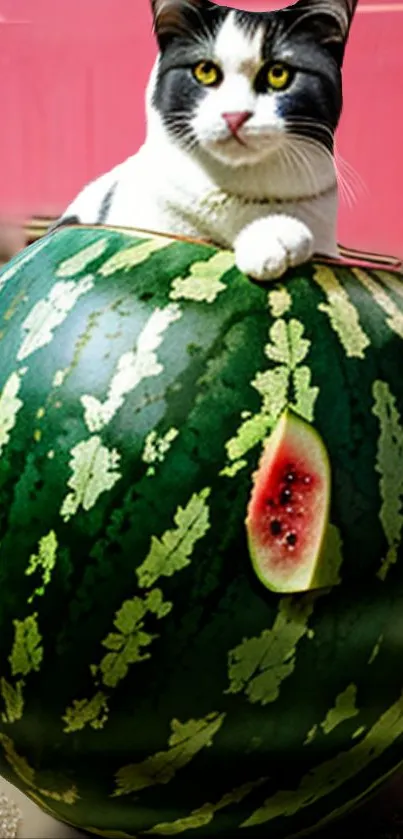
268 246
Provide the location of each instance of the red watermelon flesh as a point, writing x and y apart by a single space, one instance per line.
288 511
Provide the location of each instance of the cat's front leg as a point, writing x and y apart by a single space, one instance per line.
266 247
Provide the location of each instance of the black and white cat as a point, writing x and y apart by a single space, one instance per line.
241 113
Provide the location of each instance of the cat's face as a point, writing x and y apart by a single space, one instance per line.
241 84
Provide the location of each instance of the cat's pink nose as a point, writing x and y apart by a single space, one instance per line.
236 119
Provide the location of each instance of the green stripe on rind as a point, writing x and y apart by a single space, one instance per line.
132 368
393 282
327 777
10 405
344 709
204 281
286 383
95 469
44 561
395 315
173 551
39 326
258 666
27 652
27 774
389 465
279 301
343 316
204 815
129 642
132 256
77 263
186 741
13 699
348 806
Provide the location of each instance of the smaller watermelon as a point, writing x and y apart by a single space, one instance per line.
288 512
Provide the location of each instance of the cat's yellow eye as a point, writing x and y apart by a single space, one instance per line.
278 76
207 73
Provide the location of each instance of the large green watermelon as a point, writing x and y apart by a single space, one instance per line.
150 684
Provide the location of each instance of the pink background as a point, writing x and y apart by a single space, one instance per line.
71 89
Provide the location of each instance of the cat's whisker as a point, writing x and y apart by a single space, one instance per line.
301 157
351 174
345 188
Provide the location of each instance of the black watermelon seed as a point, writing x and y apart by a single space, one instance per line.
285 496
276 527
292 539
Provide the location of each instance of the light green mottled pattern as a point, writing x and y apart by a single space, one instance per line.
173 551
389 465
22 259
331 560
342 314
94 471
259 665
13 700
19 764
60 376
203 815
26 773
83 712
203 284
375 650
130 257
279 301
395 315
10 404
357 733
45 561
75 264
155 448
344 709
128 644
311 735
392 281
325 778
132 368
50 313
288 383
186 740
27 652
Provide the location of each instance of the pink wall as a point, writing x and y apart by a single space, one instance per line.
71 91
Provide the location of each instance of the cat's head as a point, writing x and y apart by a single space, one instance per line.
239 85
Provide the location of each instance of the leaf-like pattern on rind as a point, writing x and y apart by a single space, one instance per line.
389 465
186 740
27 774
173 551
258 666
288 383
326 777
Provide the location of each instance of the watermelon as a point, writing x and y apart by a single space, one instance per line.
149 683
288 512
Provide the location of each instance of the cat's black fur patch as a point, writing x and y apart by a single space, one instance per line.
65 221
315 31
106 204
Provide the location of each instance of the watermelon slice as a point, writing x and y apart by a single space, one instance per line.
288 512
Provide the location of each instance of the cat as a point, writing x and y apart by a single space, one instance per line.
241 113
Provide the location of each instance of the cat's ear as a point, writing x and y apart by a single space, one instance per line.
330 20
173 18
